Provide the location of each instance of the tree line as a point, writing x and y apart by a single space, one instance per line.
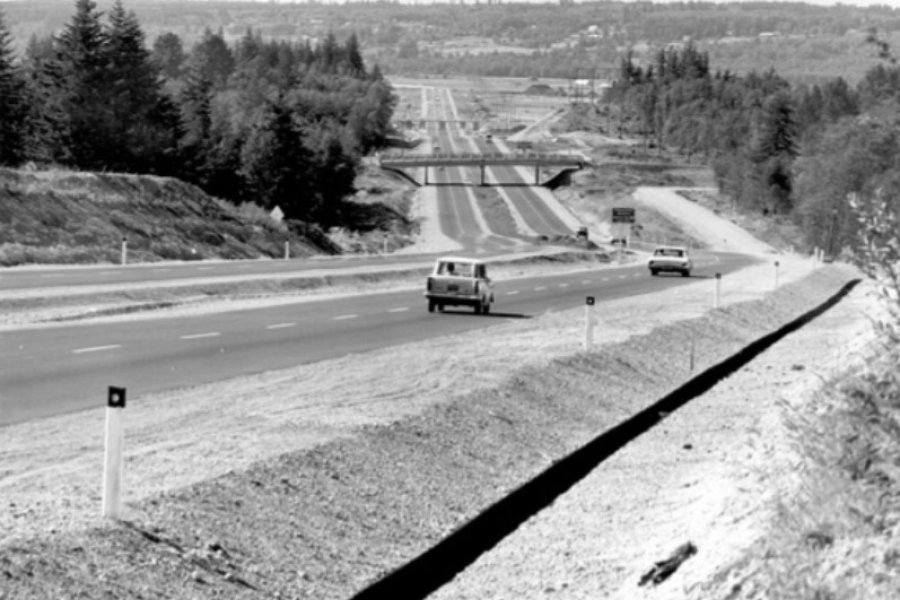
278 123
812 153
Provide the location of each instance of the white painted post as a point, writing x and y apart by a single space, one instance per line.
588 322
385 248
113 465
718 290
776 275
124 259
287 250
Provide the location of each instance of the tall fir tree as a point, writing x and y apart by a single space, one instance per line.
82 59
13 102
143 119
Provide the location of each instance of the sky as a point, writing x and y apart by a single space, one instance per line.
889 3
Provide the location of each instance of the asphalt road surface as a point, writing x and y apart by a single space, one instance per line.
58 369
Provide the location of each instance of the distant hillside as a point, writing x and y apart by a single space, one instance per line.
72 217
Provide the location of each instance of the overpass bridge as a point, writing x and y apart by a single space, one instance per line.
536 160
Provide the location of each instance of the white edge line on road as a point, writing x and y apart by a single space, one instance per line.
399 309
197 336
161 270
345 317
96 349
280 325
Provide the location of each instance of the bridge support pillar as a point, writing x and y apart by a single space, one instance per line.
426 175
537 174
482 174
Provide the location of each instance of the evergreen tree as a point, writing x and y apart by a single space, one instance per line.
773 153
48 121
82 62
169 55
277 165
143 119
356 66
13 102
212 57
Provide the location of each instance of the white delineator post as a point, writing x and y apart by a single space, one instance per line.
718 290
776 274
385 248
124 259
588 322
287 250
113 466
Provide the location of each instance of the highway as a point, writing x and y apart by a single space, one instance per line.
58 369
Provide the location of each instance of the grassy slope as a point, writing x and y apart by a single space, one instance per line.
71 217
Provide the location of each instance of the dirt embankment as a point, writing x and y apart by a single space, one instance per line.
76 217
306 484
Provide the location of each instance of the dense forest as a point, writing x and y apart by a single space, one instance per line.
276 122
817 154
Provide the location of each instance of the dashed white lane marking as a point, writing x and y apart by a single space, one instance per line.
280 325
587 281
96 349
398 309
51 275
512 293
160 270
110 272
605 279
563 285
205 268
197 336
345 317
622 276
540 288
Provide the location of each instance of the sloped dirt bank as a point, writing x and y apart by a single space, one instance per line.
326 520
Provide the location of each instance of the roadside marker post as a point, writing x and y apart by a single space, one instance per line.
124 259
287 250
113 465
776 274
588 322
718 290
385 247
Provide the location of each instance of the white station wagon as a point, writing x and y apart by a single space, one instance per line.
457 281
673 259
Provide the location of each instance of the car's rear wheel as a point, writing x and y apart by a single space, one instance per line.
685 273
486 309
431 306
653 272
440 307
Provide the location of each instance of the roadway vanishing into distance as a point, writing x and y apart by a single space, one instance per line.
62 368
